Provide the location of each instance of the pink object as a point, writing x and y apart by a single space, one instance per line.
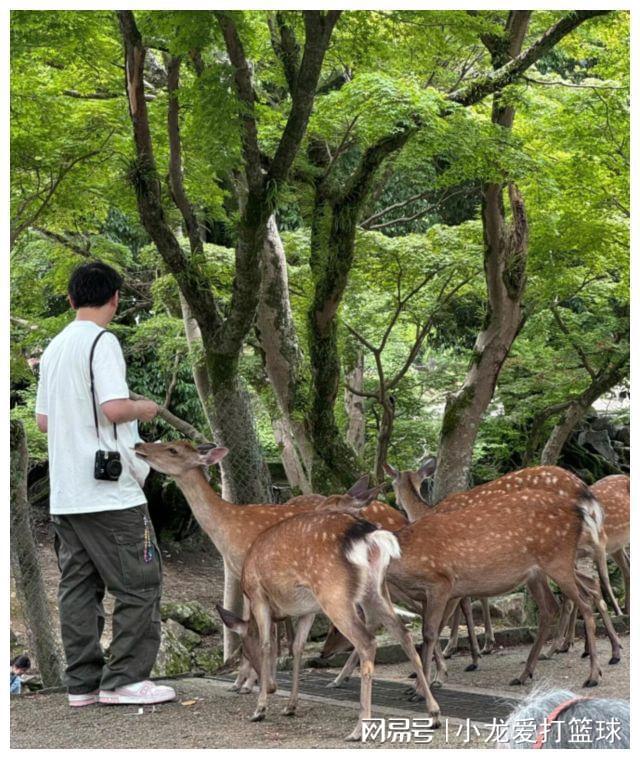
83 699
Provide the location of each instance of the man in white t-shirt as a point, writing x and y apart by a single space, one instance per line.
104 537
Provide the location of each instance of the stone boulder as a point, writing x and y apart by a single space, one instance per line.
173 657
509 608
191 615
208 659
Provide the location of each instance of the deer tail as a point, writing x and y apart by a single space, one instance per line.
593 526
365 544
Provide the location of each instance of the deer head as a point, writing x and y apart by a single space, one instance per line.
179 456
355 499
410 481
248 632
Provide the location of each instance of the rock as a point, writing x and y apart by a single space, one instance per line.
187 638
319 628
173 656
512 608
599 441
478 614
623 435
192 615
208 659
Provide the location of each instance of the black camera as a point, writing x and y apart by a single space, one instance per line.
107 465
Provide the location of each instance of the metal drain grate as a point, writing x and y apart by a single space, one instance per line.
453 703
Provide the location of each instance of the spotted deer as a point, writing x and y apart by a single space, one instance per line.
613 493
232 528
495 544
407 487
545 478
325 561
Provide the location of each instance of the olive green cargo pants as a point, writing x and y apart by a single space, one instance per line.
106 550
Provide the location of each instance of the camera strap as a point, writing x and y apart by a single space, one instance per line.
93 393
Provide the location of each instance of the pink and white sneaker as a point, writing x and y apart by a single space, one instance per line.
83 699
144 692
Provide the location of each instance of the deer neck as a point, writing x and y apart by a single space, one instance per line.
412 503
211 511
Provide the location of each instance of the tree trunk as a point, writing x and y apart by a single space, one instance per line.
25 568
354 406
505 256
384 437
602 382
283 361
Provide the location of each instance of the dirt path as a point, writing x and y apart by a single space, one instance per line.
220 719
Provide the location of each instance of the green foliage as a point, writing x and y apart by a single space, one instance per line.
71 158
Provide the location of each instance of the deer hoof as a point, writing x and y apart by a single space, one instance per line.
259 715
335 683
436 720
356 735
234 688
584 655
517 681
471 668
245 690
289 711
590 683
412 676
614 660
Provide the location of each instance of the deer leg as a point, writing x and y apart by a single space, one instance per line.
465 605
288 628
452 645
262 613
548 608
561 644
300 638
565 578
489 637
395 627
344 616
246 679
591 588
433 618
622 560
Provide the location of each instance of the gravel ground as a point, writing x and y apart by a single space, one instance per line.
219 718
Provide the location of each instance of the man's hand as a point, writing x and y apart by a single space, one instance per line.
126 410
146 410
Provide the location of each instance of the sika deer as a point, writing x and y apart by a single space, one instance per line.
231 528
323 561
613 493
492 546
544 478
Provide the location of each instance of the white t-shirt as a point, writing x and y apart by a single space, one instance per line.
64 395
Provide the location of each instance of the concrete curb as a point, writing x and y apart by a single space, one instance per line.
392 653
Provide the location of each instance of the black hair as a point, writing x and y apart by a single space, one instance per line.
93 284
22 662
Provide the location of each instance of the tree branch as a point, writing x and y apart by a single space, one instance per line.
184 428
476 90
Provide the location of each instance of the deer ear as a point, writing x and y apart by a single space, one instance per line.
360 487
369 495
212 455
391 472
428 468
230 620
